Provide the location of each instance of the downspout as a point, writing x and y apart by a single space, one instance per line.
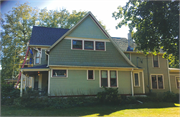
148 73
132 89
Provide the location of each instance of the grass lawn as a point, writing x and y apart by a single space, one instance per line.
131 110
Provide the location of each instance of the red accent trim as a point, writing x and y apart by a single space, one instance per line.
19 77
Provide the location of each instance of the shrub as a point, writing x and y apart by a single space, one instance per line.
109 96
169 97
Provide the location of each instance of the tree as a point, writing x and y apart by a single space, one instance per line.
156 24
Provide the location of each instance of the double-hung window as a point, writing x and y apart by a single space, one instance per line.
90 75
108 78
178 82
89 45
59 73
136 80
155 61
157 81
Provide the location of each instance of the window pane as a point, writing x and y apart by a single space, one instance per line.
103 74
178 82
37 60
160 82
154 82
99 45
88 45
60 73
155 61
90 74
128 55
77 44
113 74
104 82
113 82
136 79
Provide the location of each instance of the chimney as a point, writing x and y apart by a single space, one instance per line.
129 39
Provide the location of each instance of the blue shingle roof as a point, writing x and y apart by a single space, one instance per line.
45 35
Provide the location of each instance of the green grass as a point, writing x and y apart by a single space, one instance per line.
135 110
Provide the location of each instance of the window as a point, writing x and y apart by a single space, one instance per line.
128 55
178 82
113 80
104 78
59 73
90 75
155 61
157 81
77 44
100 46
37 56
136 80
108 80
88 45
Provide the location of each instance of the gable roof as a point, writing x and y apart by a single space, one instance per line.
46 36
102 29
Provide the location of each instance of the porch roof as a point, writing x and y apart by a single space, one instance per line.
34 68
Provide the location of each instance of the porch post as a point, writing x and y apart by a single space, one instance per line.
49 72
143 81
21 91
132 88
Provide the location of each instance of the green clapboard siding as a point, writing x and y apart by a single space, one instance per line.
124 82
75 84
88 29
62 54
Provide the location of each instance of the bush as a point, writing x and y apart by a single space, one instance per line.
169 97
109 96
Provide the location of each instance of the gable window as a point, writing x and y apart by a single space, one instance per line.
136 80
178 82
157 81
155 61
59 73
104 78
90 75
113 78
77 44
100 45
88 45
37 56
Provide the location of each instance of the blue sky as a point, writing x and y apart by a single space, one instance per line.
102 9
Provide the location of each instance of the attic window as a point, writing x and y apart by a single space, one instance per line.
77 44
100 45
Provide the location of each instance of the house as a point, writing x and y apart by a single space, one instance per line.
83 59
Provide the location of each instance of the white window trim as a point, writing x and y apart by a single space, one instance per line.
94 42
93 74
138 79
40 55
176 82
59 76
153 61
157 82
108 72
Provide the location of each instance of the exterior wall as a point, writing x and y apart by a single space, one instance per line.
88 29
138 90
174 88
147 65
62 54
77 84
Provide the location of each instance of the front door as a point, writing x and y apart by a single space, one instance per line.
36 78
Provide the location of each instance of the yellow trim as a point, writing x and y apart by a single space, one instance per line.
47 69
157 81
138 79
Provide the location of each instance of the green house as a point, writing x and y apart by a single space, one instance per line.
83 59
